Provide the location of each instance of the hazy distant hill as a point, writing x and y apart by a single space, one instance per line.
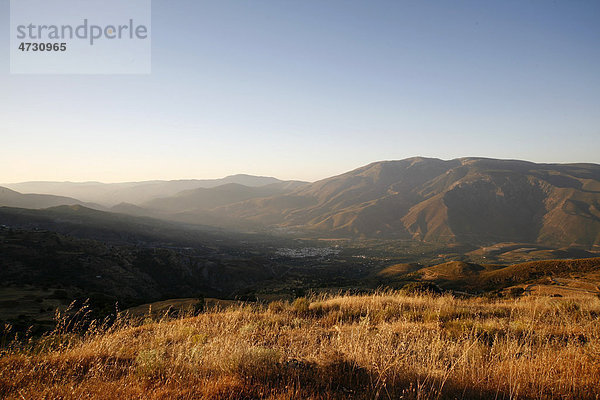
10 198
133 192
205 199
474 200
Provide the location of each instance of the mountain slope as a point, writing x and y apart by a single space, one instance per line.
207 198
130 274
83 222
473 200
10 198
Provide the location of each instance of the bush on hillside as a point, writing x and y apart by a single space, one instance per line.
516 291
301 305
422 288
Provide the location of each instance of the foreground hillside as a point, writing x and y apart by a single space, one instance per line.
380 346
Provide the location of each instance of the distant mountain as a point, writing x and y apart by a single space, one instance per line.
133 192
11 198
206 199
471 200
475 201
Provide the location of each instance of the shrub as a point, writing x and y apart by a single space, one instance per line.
422 288
277 306
199 306
301 305
150 363
494 294
569 307
516 291
254 361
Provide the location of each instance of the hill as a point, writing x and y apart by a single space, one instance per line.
41 267
478 278
83 222
11 198
208 198
110 194
468 200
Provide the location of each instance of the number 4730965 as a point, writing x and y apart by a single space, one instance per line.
42 46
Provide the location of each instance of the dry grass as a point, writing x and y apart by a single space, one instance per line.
364 347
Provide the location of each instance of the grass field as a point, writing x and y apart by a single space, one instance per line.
386 346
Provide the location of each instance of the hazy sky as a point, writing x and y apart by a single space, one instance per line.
306 89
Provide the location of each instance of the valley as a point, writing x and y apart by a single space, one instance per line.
471 226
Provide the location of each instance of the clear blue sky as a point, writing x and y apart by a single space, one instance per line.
306 89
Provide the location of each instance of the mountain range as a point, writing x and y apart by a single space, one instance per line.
110 194
471 200
467 200
11 198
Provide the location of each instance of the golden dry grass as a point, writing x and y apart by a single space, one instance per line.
384 346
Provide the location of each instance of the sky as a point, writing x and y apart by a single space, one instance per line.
306 89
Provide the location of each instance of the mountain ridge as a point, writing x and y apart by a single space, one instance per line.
481 199
12 198
111 194
472 200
